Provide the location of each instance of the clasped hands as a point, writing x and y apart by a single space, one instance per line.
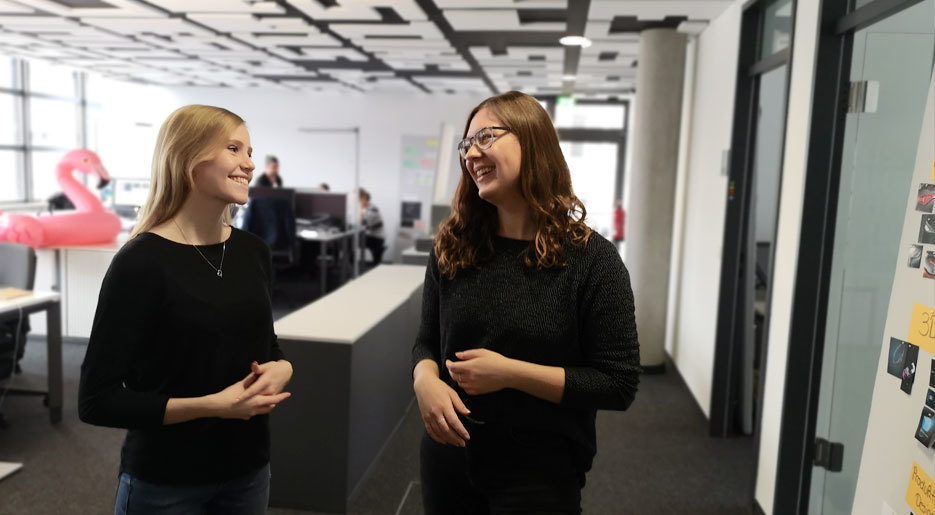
257 393
479 371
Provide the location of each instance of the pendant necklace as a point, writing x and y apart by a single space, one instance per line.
217 269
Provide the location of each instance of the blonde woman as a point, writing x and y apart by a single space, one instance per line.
527 327
182 351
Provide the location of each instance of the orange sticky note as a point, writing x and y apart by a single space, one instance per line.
921 492
922 328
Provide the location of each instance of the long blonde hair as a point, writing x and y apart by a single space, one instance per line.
186 139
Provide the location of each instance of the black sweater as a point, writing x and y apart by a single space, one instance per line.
579 317
167 326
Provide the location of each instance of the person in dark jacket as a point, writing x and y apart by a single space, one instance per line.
527 326
270 177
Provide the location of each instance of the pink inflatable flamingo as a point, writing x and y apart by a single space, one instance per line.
90 224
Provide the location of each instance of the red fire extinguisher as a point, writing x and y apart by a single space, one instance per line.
618 221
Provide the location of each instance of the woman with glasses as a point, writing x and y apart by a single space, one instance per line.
527 326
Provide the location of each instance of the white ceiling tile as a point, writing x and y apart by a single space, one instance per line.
219 6
502 4
372 32
251 23
493 20
7 7
119 8
657 9
359 9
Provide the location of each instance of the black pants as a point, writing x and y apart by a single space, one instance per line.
496 476
376 246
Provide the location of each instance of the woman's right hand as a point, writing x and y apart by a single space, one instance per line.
437 403
229 407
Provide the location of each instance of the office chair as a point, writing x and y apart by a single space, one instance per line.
273 220
17 269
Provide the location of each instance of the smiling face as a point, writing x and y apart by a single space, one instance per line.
226 176
495 170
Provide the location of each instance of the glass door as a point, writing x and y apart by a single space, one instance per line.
891 64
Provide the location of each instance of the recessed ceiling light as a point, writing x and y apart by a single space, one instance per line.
569 77
581 41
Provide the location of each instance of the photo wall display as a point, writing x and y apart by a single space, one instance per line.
897 463
922 256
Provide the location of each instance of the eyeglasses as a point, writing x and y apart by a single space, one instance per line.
483 138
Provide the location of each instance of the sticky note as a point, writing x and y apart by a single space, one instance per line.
922 327
920 494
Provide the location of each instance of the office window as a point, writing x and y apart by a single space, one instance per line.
51 79
44 167
11 175
591 116
777 27
10 123
53 123
7 72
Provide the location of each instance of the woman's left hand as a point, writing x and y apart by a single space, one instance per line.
271 378
481 371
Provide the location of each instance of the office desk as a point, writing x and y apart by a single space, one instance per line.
324 238
48 302
352 385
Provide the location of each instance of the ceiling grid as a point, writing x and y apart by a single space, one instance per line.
418 46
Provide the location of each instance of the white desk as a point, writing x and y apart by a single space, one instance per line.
352 385
48 302
325 238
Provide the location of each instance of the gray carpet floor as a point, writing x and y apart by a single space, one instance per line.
655 458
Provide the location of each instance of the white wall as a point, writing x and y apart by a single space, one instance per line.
787 245
274 118
698 269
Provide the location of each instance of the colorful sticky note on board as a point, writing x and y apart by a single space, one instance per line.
920 494
922 327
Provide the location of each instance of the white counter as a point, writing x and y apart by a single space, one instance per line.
346 314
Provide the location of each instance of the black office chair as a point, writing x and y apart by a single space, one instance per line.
273 220
17 269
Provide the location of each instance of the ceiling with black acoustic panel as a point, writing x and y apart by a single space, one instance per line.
419 46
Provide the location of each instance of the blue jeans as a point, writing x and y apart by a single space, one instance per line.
246 495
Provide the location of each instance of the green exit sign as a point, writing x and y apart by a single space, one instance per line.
565 100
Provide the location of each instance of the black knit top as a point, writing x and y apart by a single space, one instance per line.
579 317
167 326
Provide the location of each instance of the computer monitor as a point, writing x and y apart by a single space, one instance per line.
439 213
411 211
267 192
130 192
328 208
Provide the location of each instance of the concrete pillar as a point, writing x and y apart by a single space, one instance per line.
657 115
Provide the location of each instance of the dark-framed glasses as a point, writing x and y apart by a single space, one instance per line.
483 138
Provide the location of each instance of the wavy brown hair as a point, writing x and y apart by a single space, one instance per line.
466 237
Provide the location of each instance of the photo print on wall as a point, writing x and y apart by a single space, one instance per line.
925 433
930 399
928 266
915 256
926 200
927 229
896 357
932 375
909 368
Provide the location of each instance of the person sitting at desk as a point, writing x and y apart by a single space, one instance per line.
372 222
270 177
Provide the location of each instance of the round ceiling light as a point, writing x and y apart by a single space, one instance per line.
581 41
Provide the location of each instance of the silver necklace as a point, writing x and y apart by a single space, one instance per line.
223 250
